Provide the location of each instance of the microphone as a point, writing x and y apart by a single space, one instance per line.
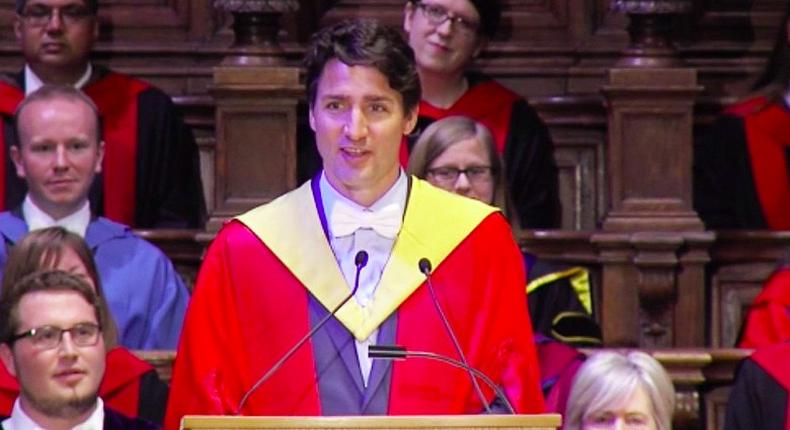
360 261
397 352
425 267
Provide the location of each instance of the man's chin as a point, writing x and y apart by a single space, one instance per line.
71 403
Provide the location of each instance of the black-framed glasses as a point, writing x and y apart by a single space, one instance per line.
49 337
437 15
40 15
449 175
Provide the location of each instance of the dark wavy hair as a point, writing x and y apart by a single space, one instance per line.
364 43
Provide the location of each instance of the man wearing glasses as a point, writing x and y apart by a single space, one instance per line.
447 35
50 329
161 187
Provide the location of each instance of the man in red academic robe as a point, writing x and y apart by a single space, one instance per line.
274 272
151 172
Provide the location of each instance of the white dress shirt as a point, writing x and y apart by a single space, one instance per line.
19 420
36 219
378 246
33 82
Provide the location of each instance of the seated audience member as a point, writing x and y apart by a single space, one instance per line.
742 166
768 319
130 386
446 36
151 175
458 154
51 326
758 399
615 390
58 155
274 273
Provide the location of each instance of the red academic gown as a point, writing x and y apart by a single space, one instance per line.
150 161
742 168
250 306
768 320
125 387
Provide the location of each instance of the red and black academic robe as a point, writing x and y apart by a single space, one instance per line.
130 386
759 397
250 305
742 168
521 138
768 320
151 170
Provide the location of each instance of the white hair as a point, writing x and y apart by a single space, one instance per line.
609 378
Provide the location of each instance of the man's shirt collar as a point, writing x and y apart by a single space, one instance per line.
33 82
19 420
388 209
36 219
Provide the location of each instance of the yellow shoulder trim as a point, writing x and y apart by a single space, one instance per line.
579 279
434 224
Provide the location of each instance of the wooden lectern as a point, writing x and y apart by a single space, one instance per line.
423 422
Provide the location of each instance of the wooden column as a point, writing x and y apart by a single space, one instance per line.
651 226
256 95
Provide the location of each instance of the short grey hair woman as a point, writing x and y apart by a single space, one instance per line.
630 387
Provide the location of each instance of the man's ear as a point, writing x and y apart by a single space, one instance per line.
411 120
7 357
311 117
101 158
16 157
18 27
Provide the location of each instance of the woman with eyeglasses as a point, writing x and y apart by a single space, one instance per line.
458 154
130 385
447 36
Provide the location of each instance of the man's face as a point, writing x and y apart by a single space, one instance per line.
359 121
56 34
444 48
58 154
63 380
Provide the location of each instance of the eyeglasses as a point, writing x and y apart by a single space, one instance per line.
449 175
49 337
41 15
437 15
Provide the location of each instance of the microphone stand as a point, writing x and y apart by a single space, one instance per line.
360 261
394 352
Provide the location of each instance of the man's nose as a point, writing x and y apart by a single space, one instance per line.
55 23
67 348
356 127
61 157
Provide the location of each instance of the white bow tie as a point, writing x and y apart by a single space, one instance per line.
345 220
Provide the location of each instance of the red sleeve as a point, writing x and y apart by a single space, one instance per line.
206 376
521 374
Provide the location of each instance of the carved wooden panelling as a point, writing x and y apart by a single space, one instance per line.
733 289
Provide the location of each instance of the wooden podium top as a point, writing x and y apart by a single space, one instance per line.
422 422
